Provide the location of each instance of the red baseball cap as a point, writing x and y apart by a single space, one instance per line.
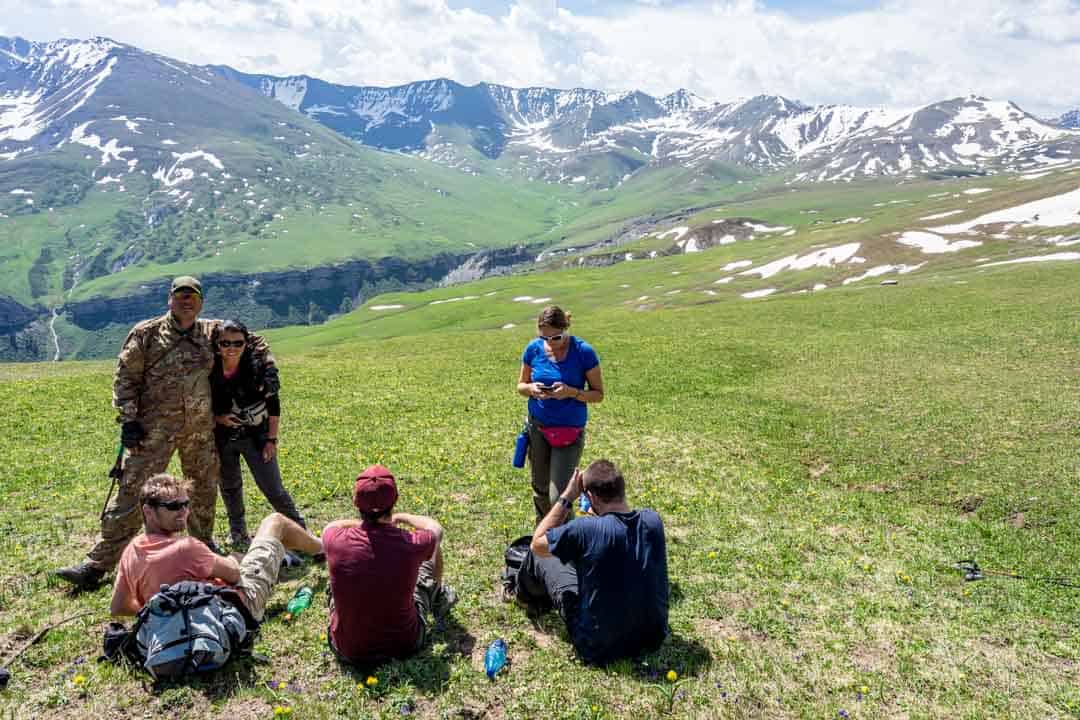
375 490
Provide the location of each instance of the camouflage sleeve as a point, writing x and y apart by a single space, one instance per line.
263 367
128 380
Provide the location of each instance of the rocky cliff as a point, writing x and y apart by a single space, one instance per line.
94 327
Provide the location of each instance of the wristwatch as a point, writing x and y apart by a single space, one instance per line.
567 505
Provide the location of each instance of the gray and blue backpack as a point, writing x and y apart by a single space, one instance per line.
190 627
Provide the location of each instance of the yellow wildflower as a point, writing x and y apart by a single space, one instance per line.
79 679
672 676
372 681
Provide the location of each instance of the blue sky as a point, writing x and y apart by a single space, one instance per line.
897 53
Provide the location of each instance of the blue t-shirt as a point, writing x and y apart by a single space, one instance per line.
621 561
580 358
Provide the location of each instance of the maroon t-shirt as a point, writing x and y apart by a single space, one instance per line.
373 570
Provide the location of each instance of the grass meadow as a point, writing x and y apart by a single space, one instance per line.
821 461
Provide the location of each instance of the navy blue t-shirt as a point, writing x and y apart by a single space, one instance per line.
580 358
621 561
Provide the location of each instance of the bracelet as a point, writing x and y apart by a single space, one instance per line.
567 505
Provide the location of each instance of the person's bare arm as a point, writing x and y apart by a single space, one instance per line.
420 522
226 569
526 386
556 516
595 391
123 602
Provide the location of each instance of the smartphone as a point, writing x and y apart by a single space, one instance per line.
546 388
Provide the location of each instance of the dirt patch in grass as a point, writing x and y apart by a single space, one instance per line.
968 504
875 657
725 631
243 708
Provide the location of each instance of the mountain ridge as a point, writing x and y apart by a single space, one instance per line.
553 129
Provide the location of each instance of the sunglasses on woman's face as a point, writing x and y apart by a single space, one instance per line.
173 505
231 343
553 338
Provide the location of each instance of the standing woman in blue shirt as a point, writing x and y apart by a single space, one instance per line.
560 374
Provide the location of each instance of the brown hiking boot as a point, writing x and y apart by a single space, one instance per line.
84 576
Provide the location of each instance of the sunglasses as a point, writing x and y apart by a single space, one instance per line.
552 338
231 343
173 505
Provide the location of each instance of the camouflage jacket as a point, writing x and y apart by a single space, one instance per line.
163 374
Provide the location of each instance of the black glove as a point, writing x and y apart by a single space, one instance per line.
131 434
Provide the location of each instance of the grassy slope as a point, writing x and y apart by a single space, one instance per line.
819 460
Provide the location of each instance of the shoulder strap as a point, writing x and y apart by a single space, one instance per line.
166 353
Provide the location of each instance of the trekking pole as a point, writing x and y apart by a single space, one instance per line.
115 473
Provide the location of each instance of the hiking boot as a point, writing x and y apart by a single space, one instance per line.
507 594
83 576
240 541
291 560
445 598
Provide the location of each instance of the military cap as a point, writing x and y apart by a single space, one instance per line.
186 282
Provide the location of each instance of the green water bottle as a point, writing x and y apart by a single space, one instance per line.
300 602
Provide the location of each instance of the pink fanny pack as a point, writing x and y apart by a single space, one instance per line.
561 436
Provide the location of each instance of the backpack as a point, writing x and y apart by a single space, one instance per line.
514 557
189 627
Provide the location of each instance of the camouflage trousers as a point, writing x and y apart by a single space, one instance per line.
123 516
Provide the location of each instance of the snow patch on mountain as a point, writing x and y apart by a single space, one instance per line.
63 75
109 151
931 244
938 216
288 91
826 257
176 174
677 232
1053 211
1037 258
883 270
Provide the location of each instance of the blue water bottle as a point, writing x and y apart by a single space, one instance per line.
495 658
521 448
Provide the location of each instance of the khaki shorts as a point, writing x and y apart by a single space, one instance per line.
259 572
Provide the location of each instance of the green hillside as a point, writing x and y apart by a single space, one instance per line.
820 461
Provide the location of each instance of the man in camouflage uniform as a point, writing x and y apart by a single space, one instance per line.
162 392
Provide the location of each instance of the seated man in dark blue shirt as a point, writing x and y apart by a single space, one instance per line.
605 572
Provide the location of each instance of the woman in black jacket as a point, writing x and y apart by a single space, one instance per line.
247 412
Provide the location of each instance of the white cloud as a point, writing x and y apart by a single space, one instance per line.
1023 50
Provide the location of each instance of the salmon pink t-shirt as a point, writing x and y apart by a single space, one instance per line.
150 561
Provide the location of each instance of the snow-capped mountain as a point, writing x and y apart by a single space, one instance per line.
1070 119
965 135
599 139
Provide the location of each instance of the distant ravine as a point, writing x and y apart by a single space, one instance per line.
271 299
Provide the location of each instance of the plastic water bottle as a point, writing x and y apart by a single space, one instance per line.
495 658
521 448
300 602
583 505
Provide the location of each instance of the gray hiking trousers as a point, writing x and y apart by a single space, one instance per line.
267 477
551 468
